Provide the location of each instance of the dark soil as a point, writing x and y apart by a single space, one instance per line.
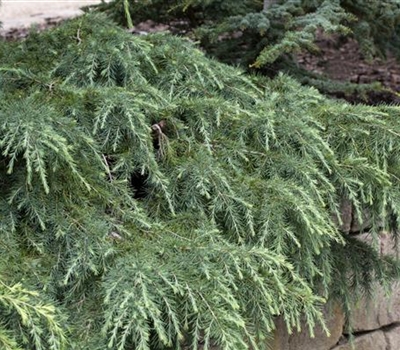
341 59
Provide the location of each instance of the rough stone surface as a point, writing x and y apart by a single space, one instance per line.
379 317
370 341
380 312
392 314
349 218
383 310
302 340
280 339
387 245
384 244
393 338
346 216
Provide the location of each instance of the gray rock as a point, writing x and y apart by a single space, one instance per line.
380 312
393 338
369 316
384 309
346 216
302 340
387 246
349 222
370 341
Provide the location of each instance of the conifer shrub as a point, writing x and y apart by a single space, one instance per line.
265 34
266 30
153 198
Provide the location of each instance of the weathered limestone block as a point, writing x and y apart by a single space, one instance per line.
383 310
281 337
379 317
376 340
392 314
302 340
387 245
393 338
384 244
370 341
346 216
349 218
380 312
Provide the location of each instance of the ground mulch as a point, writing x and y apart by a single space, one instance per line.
341 59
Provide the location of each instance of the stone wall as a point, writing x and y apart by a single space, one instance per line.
376 323
302 341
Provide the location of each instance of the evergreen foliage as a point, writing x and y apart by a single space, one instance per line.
265 34
267 30
152 198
